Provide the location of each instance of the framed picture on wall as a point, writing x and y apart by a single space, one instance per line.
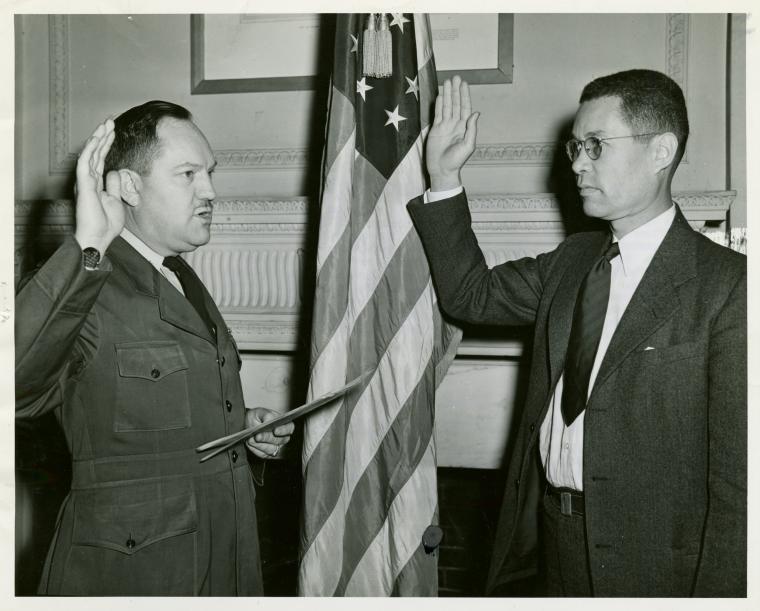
239 53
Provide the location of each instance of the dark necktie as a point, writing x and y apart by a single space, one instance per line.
588 321
193 289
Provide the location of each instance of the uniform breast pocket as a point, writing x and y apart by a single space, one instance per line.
134 539
151 387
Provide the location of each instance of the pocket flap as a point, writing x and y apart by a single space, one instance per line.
149 360
127 518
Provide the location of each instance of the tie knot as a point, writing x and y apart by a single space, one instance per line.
173 263
612 252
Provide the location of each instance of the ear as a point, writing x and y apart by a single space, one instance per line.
131 185
665 149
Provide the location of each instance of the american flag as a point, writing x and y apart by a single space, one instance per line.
369 460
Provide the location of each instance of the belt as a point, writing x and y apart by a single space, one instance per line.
114 470
569 501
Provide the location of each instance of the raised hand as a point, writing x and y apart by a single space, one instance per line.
451 140
99 212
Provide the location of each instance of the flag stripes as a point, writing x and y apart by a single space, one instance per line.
369 458
399 538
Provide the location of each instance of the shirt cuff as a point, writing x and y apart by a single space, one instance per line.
433 196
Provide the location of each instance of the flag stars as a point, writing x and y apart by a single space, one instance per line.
394 118
413 87
362 88
399 20
354 44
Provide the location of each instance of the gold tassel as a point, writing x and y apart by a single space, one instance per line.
384 47
369 46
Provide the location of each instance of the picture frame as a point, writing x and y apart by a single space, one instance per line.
217 46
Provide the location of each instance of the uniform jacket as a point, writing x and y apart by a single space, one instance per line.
137 382
665 432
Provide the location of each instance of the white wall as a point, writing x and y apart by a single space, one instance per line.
74 70
114 62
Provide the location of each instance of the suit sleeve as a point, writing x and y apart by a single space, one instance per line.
51 312
722 567
507 294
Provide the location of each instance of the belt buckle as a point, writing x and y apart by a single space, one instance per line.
566 503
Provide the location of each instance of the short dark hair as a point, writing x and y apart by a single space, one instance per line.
136 142
649 102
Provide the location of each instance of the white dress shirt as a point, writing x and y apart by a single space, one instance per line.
561 446
153 258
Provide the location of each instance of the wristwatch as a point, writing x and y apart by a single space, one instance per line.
91 258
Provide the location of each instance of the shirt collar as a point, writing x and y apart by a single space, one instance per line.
637 247
146 251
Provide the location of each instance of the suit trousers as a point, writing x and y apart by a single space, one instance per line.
565 555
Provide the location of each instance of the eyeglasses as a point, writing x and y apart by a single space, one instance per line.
593 145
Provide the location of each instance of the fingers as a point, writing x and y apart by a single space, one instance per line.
446 113
85 157
281 432
99 157
471 131
113 184
284 430
454 101
464 92
93 155
456 98
264 450
267 445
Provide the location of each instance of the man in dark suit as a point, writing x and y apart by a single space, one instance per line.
628 476
117 336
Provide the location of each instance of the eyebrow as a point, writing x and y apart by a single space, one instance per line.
196 166
599 133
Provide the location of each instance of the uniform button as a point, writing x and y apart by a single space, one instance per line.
234 456
222 361
517 483
154 373
130 543
229 406
532 427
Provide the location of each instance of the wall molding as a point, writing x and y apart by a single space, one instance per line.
262 158
254 264
678 49
62 159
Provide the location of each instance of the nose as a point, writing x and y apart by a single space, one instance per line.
205 187
582 162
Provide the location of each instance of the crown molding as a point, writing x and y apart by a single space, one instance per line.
62 160
267 214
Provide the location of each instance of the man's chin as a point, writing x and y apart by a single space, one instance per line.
592 206
198 240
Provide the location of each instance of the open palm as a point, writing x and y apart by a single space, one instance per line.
451 140
99 211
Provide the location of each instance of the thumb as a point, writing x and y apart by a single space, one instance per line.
113 184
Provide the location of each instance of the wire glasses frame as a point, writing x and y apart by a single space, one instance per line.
593 145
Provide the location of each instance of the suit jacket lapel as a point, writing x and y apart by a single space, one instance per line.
173 306
656 298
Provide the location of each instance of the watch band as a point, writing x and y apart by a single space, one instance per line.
91 258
